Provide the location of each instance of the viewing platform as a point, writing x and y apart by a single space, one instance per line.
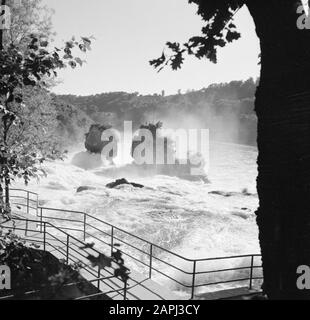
65 233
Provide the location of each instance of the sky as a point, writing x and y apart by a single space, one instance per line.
129 33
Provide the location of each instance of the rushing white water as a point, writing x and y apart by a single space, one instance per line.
179 215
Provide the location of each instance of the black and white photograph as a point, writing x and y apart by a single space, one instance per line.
154 151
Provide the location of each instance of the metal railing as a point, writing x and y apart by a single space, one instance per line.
186 274
31 200
70 250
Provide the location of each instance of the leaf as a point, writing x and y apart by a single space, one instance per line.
177 61
79 61
87 42
69 44
175 46
82 47
158 62
44 44
232 35
72 64
218 17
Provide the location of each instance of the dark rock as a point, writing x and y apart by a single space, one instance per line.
232 194
241 215
120 182
245 192
222 193
93 142
155 130
81 189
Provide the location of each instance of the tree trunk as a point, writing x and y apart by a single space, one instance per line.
3 2
1 202
7 122
283 110
7 192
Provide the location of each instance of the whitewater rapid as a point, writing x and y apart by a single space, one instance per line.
193 219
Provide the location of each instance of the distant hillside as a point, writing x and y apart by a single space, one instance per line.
226 109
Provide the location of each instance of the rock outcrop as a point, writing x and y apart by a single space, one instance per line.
164 148
120 182
81 189
93 142
160 153
232 194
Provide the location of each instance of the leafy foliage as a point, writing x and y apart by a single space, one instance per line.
217 32
34 270
152 127
19 70
28 17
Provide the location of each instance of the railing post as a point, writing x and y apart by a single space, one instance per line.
125 290
99 276
67 254
251 273
27 202
41 219
44 237
26 231
37 204
112 240
194 280
85 217
151 261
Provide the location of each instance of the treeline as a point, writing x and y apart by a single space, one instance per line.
226 109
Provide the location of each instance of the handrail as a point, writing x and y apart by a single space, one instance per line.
85 222
61 250
115 228
22 190
67 253
137 237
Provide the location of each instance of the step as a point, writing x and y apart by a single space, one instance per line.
139 287
229 294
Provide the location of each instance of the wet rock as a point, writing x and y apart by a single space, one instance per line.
166 144
245 192
84 188
95 142
120 182
222 193
232 194
241 215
